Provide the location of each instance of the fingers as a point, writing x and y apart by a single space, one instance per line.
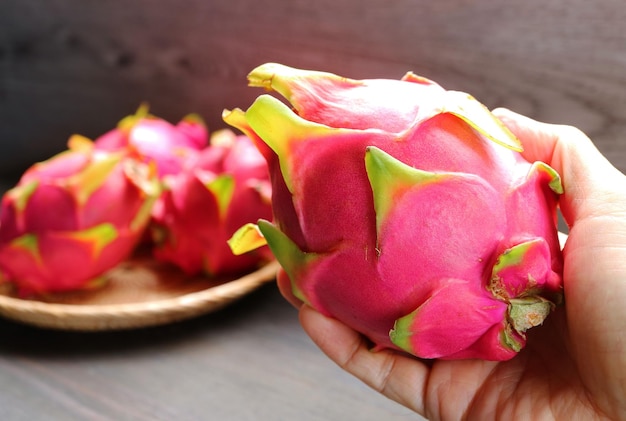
589 180
400 378
539 142
594 205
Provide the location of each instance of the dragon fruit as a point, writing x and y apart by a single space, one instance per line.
203 205
73 217
405 211
171 147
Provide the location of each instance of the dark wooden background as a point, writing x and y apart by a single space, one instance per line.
79 66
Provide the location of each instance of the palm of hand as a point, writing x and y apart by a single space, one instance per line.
543 382
574 366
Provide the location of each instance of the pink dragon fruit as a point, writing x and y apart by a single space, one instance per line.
205 204
73 217
171 148
406 211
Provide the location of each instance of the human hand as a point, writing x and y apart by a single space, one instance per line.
574 366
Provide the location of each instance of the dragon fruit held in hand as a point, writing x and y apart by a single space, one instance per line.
406 211
170 147
73 217
202 206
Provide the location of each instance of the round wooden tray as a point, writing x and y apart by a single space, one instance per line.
140 292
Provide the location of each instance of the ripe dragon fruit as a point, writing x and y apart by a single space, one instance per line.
73 217
202 206
405 211
170 147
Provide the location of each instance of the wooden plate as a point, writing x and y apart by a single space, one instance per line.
138 293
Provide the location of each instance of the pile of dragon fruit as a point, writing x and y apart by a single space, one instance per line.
147 183
400 208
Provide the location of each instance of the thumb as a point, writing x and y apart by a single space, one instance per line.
592 185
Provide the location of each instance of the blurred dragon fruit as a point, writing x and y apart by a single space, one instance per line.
203 205
171 147
405 211
73 217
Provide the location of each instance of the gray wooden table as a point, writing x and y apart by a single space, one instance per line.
79 66
250 361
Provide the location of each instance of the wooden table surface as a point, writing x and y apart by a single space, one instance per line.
250 361
78 67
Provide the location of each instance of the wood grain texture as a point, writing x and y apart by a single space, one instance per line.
79 66
251 362
69 67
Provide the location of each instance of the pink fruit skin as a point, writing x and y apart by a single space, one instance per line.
191 222
73 217
170 147
437 267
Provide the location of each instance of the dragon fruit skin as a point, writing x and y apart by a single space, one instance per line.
205 204
170 147
73 217
406 211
